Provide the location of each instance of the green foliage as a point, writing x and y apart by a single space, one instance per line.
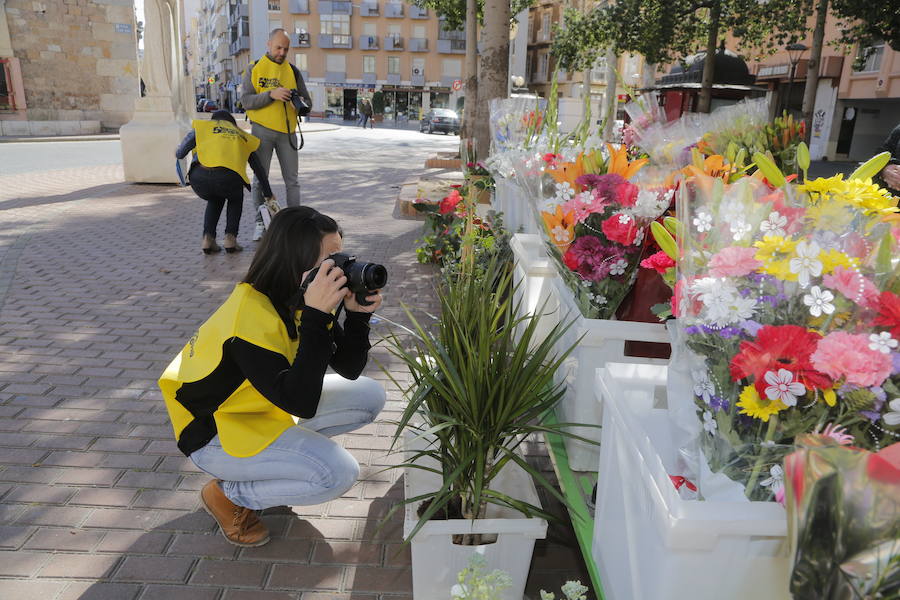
480 385
378 103
865 22
454 11
664 31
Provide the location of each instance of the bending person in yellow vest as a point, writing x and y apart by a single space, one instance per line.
218 174
266 96
234 391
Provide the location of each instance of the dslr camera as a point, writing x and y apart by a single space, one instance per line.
363 278
300 104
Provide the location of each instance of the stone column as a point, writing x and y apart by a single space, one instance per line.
161 118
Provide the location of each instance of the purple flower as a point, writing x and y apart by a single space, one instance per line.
594 260
717 403
751 327
896 358
729 332
870 415
603 186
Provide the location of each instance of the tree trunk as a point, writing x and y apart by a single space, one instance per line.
709 64
493 81
609 112
471 93
813 67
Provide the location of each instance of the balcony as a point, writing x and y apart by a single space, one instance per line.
223 51
393 42
298 7
238 12
370 78
329 40
335 77
393 78
418 45
368 42
393 10
447 81
221 25
341 8
368 9
301 40
417 78
417 12
241 44
451 46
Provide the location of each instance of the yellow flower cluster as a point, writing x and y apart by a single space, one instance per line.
752 405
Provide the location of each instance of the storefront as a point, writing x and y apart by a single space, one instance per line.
341 101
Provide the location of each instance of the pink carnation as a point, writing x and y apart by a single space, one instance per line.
840 354
734 261
847 282
660 262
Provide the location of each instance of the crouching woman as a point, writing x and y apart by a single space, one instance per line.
234 391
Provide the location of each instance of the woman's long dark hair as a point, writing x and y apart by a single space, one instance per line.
223 115
290 247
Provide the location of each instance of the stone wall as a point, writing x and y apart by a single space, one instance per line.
78 59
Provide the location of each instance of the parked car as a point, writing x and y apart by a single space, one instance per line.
200 103
210 106
440 119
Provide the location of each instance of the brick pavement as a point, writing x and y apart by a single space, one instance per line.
101 282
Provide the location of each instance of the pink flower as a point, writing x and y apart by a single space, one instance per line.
660 262
626 193
837 433
591 259
852 285
848 355
734 261
620 228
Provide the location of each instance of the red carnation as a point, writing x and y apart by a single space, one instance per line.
660 262
448 204
620 228
889 312
626 194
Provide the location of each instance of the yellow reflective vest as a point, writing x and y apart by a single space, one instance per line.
221 144
268 75
196 389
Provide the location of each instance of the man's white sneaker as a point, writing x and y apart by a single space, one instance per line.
258 232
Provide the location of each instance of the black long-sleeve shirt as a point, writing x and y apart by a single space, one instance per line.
190 142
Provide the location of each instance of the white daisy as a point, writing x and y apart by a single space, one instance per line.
618 267
819 301
783 387
774 225
807 263
561 234
882 342
703 387
709 422
563 193
740 228
703 221
775 481
892 417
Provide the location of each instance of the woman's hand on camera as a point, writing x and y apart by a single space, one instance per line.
327 289
352 305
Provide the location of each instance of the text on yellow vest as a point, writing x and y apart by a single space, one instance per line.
268 75
221 144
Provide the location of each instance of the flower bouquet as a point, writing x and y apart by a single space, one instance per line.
594 221
843 520
788 298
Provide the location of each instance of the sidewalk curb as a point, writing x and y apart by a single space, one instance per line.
115 136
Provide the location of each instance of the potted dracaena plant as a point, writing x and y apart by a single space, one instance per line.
480 385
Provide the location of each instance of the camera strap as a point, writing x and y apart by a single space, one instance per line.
292 139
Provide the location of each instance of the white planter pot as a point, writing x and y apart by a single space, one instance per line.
649 543
533 274
602 341
436 561
517 212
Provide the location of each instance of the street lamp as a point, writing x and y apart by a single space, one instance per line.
795 51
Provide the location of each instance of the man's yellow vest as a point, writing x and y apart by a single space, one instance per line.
268 75
221 144
246 421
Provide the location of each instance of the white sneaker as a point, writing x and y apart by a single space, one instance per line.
258 232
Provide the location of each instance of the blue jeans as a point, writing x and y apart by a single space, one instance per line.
303 466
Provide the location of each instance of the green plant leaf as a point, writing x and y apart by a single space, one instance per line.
871 167
803 156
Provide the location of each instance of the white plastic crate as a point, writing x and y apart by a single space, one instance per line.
532 275
649 543
603 341
436 560
517 212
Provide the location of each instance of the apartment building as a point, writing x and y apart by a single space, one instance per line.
346 50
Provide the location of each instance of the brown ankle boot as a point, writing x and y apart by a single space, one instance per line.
231 244
240 525
209 244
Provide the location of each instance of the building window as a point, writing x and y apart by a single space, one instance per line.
338 26
868 59
394 65
543 66
275 5
545 26
418 66
419 32
451 67
300 62
274 24
335 63
370 29
394 31
369 64
301 27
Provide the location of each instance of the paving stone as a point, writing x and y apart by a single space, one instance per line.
64 540
295 577
230 573
39 494
281 550
146 569
12 536
22 589
103 497
210 545
61 516
380 579
89 476
348 553
79 566
118 445
121 518
22 564
20 456
168 499
147 479
352 596
260 595
170 592
81 590
134 542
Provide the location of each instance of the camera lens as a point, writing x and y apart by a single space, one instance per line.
374 276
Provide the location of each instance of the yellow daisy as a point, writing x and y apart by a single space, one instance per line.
830 214
868 196
836 258
759 408
823 186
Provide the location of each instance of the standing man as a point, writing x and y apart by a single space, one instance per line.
890 175
366 116
266 96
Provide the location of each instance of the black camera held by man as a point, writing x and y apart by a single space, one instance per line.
363 278
300 104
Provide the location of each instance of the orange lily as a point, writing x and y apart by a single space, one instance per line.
560 227
618 162
568 172
714 166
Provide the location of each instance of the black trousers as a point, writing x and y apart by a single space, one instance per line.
218 186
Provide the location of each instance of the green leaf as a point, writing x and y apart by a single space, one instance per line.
803 156
871 167
674 226
768 169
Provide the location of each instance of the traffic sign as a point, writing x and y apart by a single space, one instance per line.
457 85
